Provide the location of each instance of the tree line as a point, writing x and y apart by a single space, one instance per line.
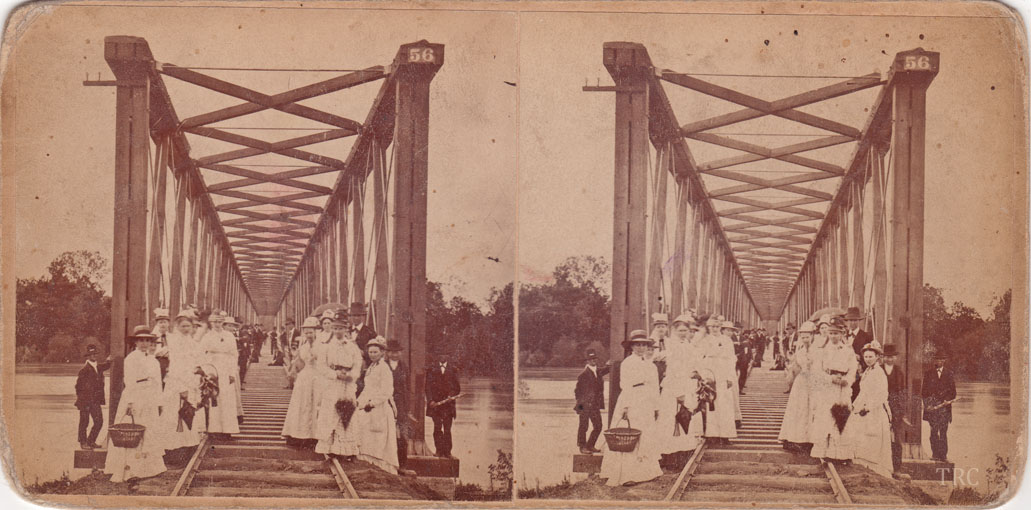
561 319
58 314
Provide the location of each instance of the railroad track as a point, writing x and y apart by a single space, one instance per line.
257 462
754 468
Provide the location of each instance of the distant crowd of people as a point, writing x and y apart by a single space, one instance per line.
680 385
183 379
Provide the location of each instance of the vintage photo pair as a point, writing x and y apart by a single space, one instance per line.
365 253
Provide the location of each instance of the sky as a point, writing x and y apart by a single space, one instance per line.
976 147
536 159
63 135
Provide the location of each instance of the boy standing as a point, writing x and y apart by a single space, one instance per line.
89 397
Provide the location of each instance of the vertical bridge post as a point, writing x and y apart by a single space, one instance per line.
131 62
631 68
415 65
914 70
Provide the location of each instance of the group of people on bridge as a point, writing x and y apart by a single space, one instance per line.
679 386
183 379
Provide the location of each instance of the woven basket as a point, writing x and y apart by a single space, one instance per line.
622 439
126 435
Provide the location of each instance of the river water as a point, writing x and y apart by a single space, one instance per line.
547 427
43 424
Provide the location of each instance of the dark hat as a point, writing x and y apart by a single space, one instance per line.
142 333
890 350
91 349
591 354
940 356
853 314
340 317
791 325
288 321
358 308
394 345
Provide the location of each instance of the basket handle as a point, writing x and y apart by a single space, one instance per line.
625 418
131 417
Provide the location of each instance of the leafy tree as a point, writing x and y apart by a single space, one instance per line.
978 348
57 315
560 319
480 343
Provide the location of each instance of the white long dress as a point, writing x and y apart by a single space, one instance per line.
377 428
142 379
334 438
827 440
798 414
871 434
681 357
639 396
300 415
221 352
184 356
719 357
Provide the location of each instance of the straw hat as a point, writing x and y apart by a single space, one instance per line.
807 327
378 342
659 318
310 322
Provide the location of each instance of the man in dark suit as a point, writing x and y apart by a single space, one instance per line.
896 403
857 338
285 338
939 392
363 332
442 388
743 350
400 371
590 400
89 397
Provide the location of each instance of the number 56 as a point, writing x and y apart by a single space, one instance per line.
917 62
420 55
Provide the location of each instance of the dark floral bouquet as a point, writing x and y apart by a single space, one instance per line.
208 391
345 408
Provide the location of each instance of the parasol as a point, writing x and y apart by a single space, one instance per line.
830 310
328 306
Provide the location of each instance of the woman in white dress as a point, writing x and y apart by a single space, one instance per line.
719 358
832 374
794 429
139 404
300 415
377 413
728 329
182 384
230 331
339 363
679 388
220 352
869 426
637 405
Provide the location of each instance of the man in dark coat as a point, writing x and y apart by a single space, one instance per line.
743 350
939 392
89 397
857 338
759 348
590 400
362 332
442 388
400 371
896 403
285 338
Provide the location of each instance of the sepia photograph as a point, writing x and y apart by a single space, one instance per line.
564 254
258 253
771 258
